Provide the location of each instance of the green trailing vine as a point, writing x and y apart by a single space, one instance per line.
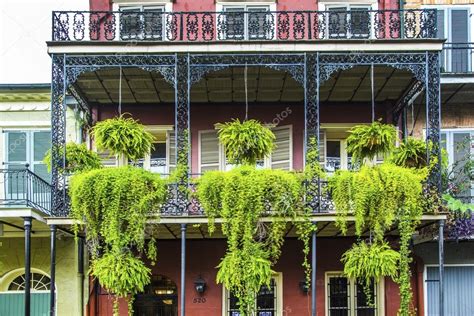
78 158
242 197
112 206
368 141
245 142
123 137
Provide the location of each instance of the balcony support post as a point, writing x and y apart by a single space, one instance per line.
182 109
313 273
433 115
441 267
27 224
311 128
58 134
183 270
52 297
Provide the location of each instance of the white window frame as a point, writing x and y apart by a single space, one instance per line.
370 5
166 6
447 8
29 143
380 293
222 6
450 145
278 277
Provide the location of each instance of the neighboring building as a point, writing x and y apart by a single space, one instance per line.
181 66
455 23
25 197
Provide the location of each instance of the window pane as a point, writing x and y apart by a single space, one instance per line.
130 23
338 296
158 158
360 22
153 22
41 144
333 159
337 22
235 23
16 151
462 154
365 305
41 171
266 300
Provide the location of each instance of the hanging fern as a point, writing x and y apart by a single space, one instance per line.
113 205
78 158
123 136
370 262
411 153
245 142
368 141
242 197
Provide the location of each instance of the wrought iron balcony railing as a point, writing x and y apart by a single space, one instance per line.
20 187
243 26
457 58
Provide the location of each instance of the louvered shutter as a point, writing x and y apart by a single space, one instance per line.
459 34
322 147
282 156
208 151
107 159
41 144
440 20
171 147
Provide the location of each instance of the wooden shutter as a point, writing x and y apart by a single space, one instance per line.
208 151
322 147
41 144
282 156
459 34
171 148
107 159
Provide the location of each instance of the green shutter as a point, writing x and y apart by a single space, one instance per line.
12 304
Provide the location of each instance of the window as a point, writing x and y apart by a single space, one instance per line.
212 156
345 297
246 22
454 25
269 300
348 21
142 22
459 146
38 282
28 147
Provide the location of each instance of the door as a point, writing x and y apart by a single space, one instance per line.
160 298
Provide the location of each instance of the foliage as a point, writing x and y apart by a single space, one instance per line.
377 196
113 205
245 142
411 153
78 158
242 197
122 273
123 136
456 205
368 141
369 262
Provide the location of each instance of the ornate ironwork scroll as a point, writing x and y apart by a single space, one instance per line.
433 114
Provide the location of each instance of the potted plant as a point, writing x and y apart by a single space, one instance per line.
124 137
411 153
245 142
365 142
78 158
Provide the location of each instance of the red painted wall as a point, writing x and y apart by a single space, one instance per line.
204 255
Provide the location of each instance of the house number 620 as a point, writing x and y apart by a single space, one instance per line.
199 300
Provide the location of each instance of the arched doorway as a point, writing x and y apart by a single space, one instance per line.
160 298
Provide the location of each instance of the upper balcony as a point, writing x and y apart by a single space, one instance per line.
259 25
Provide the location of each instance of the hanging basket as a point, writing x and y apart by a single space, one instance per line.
245 142
368 141
123 137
